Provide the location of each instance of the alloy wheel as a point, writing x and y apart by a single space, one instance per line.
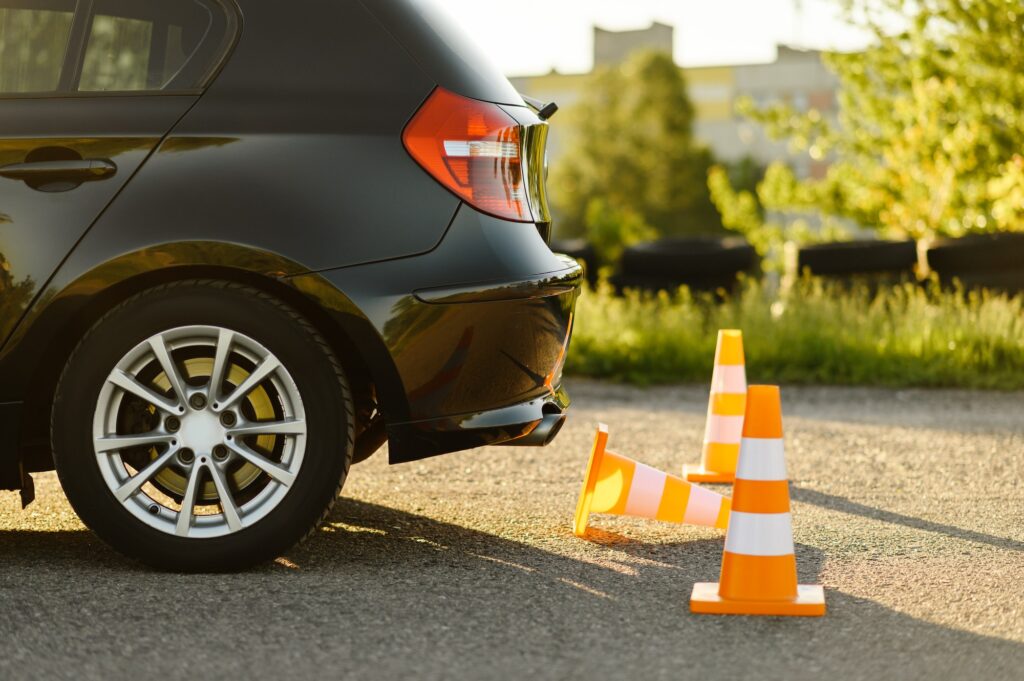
199 431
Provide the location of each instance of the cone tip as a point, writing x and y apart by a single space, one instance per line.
763 417
730 347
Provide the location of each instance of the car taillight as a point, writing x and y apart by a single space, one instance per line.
473 148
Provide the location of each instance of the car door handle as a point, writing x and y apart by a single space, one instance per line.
73 169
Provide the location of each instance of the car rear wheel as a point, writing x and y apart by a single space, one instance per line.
202 426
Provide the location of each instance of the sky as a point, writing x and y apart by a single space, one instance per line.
530 37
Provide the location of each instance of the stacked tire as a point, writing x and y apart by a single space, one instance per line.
993 261
869 262
700 263
581 250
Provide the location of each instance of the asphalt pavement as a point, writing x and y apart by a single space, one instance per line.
908 507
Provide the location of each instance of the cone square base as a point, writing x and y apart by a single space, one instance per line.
809 602
699 474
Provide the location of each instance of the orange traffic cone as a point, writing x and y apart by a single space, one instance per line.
618 485
758 565
724 425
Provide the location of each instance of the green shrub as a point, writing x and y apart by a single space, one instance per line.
611 230
818 333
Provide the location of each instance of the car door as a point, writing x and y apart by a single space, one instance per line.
88 88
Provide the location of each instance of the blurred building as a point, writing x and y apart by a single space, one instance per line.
796 76
614 47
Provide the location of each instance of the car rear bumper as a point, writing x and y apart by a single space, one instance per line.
472 336
485 364
531 423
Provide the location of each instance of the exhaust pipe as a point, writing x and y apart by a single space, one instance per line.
544 433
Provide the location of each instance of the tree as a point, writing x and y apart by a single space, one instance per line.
632 147
928 117
1007 193
611 229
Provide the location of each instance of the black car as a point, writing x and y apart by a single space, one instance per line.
244 244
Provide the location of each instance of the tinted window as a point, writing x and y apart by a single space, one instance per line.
33 40
151 44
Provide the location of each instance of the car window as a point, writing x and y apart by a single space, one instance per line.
137 45
33 41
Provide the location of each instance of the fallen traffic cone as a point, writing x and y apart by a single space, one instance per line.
724 425
618 485
758 565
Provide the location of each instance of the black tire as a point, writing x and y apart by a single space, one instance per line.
991 261
692 259
580 249
858 257
724 282
583 251
977 253
317 375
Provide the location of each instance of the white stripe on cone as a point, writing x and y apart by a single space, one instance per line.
759 534
729 378
761 459
702 507
726 430
645 491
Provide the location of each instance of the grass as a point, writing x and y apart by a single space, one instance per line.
906 335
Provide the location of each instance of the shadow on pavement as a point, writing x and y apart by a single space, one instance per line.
381 593
837 503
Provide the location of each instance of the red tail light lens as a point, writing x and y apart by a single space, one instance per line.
473 149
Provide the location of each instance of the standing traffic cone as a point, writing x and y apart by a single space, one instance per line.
724 425
618 485
758 565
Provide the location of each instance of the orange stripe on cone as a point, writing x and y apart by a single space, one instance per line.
673 501
758 578
761 496
618 485
759 564
726 407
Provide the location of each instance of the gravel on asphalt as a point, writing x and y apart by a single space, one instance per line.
908 507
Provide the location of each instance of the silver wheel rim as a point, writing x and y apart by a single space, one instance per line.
189 454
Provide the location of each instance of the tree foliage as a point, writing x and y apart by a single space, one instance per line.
779 192
610 229
633 148
1007 193
930 119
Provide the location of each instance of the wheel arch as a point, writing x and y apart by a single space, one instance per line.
66 315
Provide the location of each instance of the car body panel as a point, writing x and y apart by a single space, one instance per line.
490 347
39 228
